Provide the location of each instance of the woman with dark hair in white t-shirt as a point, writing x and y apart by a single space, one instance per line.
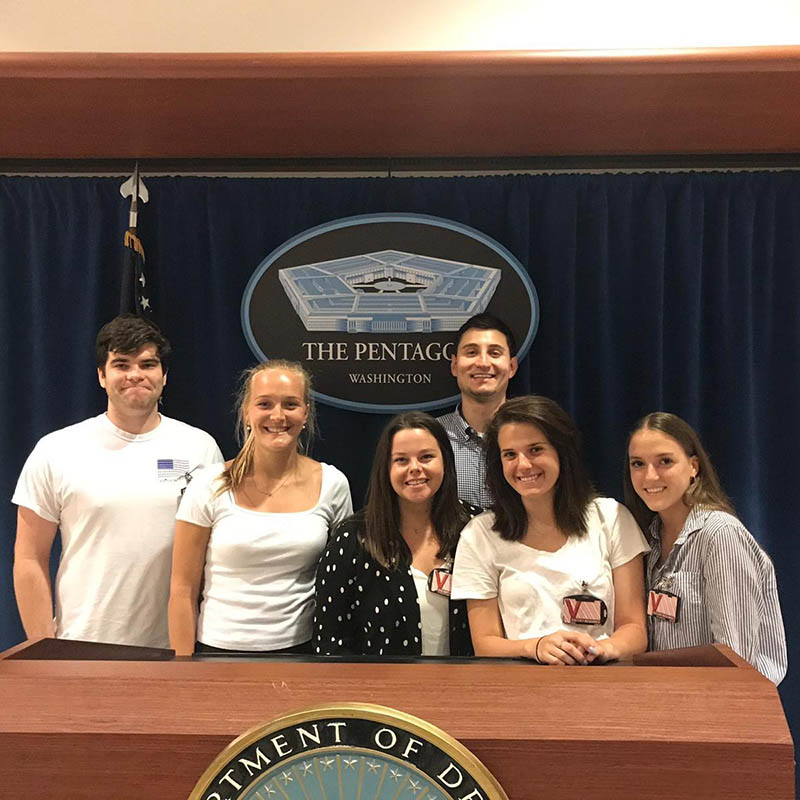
552 573
253 531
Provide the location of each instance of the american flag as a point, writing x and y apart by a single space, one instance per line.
171 469
134 296
135 293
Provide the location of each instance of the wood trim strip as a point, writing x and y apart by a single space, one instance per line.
509 63
401 105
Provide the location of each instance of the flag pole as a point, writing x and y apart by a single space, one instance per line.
134 295
134 212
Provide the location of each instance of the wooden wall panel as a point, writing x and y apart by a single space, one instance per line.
404 105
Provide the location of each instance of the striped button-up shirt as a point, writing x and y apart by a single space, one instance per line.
727 590
470 460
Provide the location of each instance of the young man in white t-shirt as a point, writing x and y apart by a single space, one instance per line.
111 484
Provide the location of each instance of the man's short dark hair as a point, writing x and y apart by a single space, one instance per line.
488 322
128 333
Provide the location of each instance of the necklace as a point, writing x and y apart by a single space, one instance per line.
276 489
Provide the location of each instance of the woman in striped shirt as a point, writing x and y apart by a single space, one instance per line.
708 579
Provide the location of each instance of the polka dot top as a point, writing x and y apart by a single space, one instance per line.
362 608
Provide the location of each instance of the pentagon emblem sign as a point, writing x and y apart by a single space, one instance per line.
353 751
370 305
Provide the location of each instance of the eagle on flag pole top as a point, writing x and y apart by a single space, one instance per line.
134 297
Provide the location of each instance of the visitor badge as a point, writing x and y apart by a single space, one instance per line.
440 580
583 609
663 605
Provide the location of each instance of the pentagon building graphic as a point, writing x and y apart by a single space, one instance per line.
388 292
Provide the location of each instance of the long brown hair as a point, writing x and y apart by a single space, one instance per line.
382 538
242 465
573 489
705 490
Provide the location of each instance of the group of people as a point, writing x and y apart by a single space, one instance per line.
481 533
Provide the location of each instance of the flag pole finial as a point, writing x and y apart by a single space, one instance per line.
134 188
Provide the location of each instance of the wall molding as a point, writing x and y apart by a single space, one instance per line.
400 105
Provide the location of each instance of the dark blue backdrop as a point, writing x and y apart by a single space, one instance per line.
658 291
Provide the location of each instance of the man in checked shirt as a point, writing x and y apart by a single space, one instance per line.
111 484
482 364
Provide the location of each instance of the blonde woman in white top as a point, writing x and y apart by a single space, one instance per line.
253 532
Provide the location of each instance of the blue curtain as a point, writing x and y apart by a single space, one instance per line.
658 291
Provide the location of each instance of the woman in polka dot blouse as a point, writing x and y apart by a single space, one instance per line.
383 583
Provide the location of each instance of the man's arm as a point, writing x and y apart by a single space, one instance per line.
32 587
188 561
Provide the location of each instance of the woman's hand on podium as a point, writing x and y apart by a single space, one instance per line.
605 650
564 648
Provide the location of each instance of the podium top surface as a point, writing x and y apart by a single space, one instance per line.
480 700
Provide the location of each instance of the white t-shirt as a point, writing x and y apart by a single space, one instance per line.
530 584
114 495
434 612
260 568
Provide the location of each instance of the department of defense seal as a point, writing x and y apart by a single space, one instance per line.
352 751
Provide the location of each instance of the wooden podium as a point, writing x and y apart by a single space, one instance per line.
698 723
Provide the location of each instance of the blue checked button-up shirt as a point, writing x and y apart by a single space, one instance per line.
470 461
727 590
